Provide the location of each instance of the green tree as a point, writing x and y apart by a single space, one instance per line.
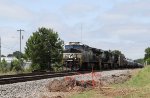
147 53
117 52
148 61
3 56
10 55
15 66
4 66
140 61
43 48
17 54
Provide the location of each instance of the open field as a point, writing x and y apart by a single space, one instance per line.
137 87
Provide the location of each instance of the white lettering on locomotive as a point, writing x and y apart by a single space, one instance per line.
71 55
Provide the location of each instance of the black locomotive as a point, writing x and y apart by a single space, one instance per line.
82 57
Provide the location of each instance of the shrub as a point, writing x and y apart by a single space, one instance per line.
148 61
35 67
15 66
57 67
4 67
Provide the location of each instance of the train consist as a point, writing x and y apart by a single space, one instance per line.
78 56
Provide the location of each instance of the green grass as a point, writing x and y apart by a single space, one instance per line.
141 93
141 79
86 94
140 82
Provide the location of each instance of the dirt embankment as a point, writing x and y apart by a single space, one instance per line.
68 86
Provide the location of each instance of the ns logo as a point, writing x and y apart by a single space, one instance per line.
70 55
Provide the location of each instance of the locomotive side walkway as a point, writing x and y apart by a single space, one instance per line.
26 89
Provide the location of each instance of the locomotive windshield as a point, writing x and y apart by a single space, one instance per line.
79 47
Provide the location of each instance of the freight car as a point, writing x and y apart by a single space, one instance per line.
78 56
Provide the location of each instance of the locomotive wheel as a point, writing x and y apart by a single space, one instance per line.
75 68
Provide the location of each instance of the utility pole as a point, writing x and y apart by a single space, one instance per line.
0 51
81 33
20 45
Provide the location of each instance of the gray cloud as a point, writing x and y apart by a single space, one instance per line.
12 11
114 29
79 9
125 26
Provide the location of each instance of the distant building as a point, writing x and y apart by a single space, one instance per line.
26 64
8 59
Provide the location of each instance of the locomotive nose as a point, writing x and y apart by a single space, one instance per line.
72 56
72 51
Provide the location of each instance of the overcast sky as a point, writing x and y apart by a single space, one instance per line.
106 24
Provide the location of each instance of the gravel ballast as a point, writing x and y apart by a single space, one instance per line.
26 89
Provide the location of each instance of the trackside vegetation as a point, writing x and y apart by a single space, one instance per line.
140 83
147 55
11 68
142 79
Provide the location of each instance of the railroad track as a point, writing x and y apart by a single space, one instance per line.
9 79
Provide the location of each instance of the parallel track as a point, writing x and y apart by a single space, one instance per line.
9 79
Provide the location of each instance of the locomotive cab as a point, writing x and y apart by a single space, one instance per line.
72 55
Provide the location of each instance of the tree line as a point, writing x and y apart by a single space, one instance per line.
147 55
44 49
